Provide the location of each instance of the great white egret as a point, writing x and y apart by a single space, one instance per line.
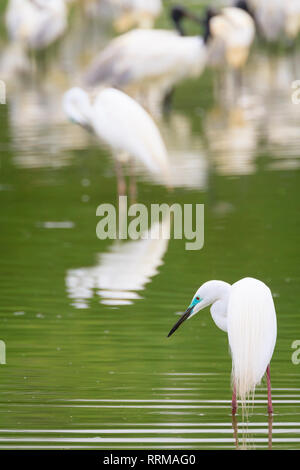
147 63
36 23
122 124
245 310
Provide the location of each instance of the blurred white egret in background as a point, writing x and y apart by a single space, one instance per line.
121 272
229 34
136 13
147 64
245 310
276 19
122 124
36 23
125 14
41 136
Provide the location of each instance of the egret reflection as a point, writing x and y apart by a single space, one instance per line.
41 136
121 274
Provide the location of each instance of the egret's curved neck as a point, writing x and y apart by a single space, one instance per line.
219 308
218 312
78 107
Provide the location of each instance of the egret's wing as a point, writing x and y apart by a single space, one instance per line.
251 332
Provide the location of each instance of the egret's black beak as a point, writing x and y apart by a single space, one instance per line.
184 317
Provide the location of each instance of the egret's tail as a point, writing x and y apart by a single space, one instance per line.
251 333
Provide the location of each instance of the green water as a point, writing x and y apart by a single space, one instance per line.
82 371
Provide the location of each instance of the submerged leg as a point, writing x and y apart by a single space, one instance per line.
270 407
234 404
235 431
270 429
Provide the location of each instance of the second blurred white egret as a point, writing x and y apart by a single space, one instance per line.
121 123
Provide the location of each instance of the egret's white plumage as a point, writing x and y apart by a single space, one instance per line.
141 61
232 32
245 310
36 23
121 123
252 330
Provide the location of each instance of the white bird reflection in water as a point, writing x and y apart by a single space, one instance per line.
122 272
258 117
187 155
39 131
232 140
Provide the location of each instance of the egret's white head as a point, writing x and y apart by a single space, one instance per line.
209 293
77 106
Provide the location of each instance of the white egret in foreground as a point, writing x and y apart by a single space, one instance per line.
245 310
122 124
36 23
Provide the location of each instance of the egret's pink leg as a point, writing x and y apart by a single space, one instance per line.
270 407
121 182
234 405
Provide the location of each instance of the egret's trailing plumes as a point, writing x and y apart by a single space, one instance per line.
121 123
245 310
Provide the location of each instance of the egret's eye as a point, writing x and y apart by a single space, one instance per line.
197 298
